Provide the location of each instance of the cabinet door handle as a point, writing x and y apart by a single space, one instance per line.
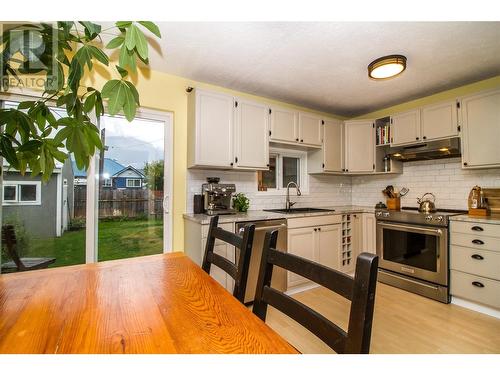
477 257
315 229
296 139
425 137
477 229
319 229
477 242
417 138
478 284
302 140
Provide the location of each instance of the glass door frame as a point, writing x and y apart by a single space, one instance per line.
92 216
92 205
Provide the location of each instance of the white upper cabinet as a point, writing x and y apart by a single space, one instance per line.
405 128
251 135
210 129
310 129
440 121
360 146
284 126
480 118
333 146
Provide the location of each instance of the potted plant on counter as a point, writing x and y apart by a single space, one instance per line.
241 202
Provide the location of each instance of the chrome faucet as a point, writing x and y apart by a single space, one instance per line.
289 204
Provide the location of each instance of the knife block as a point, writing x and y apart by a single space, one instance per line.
393 204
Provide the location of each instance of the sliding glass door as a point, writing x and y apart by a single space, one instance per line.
133 217
119 208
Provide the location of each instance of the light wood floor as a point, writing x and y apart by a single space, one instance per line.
403 323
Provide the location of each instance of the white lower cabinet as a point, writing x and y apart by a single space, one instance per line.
195 239
328 239
475 262
315 238
301 242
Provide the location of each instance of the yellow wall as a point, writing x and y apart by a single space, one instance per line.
441 96
167 93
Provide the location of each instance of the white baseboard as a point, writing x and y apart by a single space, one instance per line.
476 307
301 288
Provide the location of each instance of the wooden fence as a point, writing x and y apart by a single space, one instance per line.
123 202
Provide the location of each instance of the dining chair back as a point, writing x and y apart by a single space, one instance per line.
360 290
238 270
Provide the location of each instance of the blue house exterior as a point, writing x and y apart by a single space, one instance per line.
115 176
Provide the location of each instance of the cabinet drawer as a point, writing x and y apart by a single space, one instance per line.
476 241
479 229
313 221
475 288
478 262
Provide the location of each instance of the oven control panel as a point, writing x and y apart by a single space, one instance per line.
412 217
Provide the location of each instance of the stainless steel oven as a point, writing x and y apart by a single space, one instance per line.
413 252
416 251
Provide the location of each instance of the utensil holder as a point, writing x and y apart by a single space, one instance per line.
393 204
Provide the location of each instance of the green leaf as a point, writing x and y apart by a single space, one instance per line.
151 27
30 145
84 56
99 55
123 24
130 38
25 105
117 99
127 58
89 103
133 91
115 42
130 105
141 43
91 29
8 152
75 74
109 87
123 72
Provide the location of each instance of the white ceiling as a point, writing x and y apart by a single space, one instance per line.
324 65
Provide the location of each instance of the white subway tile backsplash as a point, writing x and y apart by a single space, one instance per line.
444 178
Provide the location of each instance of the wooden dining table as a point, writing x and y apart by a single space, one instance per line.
153 304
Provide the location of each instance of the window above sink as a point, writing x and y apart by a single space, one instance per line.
284 166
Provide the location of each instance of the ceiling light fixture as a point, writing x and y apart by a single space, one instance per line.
387 67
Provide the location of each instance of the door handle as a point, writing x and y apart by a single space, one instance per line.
477 228
477 257
478 284
165 204
477 242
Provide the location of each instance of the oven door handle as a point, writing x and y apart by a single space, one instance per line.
409 228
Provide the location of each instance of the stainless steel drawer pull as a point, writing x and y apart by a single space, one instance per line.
478 284
477 256
477 229
477 242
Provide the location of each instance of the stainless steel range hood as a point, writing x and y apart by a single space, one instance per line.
447 148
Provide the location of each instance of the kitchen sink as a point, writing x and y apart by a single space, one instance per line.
299 210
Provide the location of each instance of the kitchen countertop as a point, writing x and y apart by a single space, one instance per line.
493 219
265 215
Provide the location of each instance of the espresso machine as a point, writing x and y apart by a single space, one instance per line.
217 197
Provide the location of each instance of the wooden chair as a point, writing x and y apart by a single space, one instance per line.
239 271
360 291
20 264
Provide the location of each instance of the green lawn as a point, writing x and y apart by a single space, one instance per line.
119 239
